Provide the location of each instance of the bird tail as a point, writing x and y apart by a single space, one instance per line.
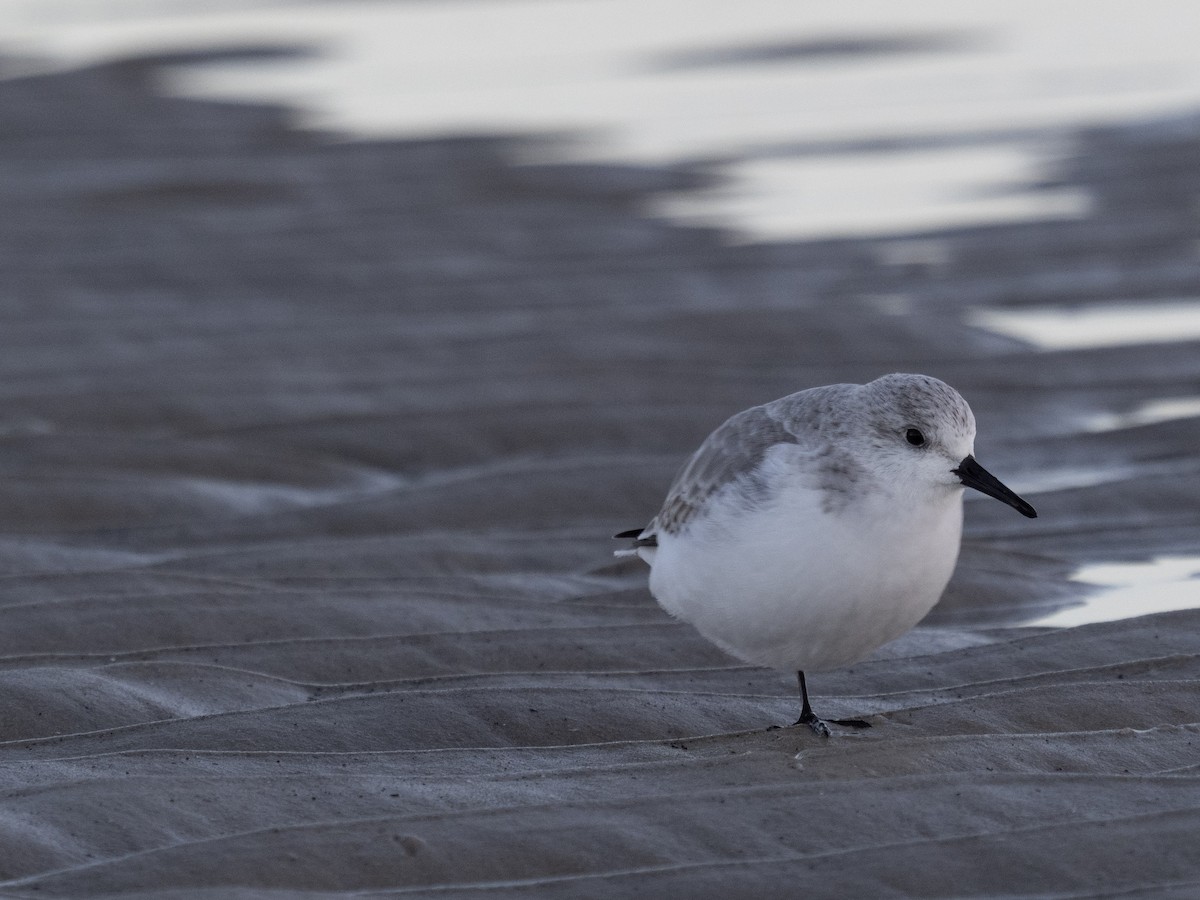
641 537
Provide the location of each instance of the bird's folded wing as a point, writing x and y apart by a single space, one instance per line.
735 451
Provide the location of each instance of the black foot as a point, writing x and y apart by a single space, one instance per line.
816 724
851 723
821 726
809 718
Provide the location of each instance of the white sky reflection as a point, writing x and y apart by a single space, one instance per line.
630 78
1100 325
1133 589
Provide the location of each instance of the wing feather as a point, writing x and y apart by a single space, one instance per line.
735 451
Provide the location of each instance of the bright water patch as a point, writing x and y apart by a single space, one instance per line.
1100 325
1166 410
663 81
1125 590
816 196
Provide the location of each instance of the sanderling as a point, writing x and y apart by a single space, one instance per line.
806 532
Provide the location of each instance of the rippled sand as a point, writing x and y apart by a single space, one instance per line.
310 454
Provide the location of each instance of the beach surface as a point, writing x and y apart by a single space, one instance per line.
310 451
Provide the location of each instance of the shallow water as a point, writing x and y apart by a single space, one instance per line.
818 121
1124 590
1150 321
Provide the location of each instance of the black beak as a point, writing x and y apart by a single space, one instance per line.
974 475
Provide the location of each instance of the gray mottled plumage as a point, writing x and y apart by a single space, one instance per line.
736 450
818 421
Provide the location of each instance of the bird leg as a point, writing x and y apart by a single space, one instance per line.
813 721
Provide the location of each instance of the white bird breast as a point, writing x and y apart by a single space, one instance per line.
794 587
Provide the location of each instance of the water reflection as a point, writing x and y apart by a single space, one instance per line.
1163 584
1151 413
1101 325
676 80
811 196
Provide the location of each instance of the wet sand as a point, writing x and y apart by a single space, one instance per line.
311 450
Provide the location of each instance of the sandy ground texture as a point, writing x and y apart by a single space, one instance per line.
309 455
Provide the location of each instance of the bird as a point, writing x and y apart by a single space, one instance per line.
806 532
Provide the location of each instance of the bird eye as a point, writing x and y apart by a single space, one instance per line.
914 437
